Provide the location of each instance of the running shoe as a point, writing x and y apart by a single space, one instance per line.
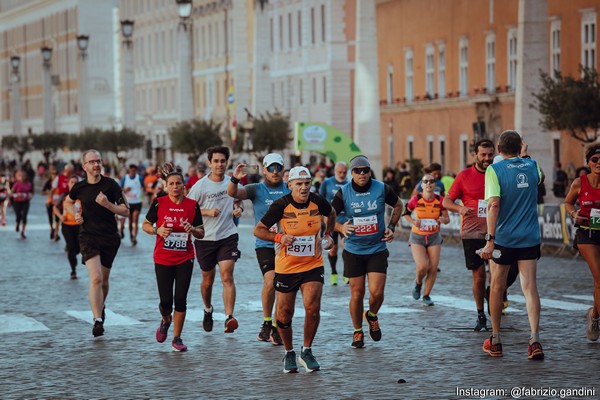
162 331
593 328
494 350
73 275
265 331
207 322
231 324
133 241
416 292
481 323
333 279
358 340
535 352
427 301
289 363
178 345
346 280
275 338
308 361
98 329
374 331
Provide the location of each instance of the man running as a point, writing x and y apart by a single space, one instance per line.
328 189
133 186
298 261
219 245
262 195
101 198
469 186
513 235
363 201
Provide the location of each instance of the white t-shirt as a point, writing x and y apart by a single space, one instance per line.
210 194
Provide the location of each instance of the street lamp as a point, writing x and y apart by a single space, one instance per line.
186 98
128 75
391 142
48 109
84 99
15 62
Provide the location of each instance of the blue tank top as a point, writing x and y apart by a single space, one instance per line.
518 225
263 198
366 211
328 189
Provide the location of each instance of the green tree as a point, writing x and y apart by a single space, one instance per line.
88 139
107 140
570 104
267 133
21 144
49 143
194 137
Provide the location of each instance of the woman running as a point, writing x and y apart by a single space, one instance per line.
22 192
172 218
4 195
586 190
69 227
425 239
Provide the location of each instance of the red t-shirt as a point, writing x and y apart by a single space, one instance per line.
589 197
193 179
469 186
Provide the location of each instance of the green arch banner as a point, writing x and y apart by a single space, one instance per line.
325 139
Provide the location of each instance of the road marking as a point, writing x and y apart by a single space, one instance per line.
561 305
582 297
112 319
10 323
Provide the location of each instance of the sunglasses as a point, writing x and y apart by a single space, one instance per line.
594 159
428 180
275 167
361 170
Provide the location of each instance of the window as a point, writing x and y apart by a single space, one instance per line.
301 91
464 150
511 78
588 39
490 62
429 71
324 89
555 47
442 140
281 32
442 70
410 147
430 155
203 42
463 66
210 41
290 30
390 84
272 34
312 25
323 23
408 75
299 28
314 90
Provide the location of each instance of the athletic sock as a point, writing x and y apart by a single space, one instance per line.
268 319
535 337
357 329
209 310
333 262
370 314
495 338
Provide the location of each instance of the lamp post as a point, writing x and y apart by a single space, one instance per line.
49 125
391 143
186 99
128 75
15 62
84 97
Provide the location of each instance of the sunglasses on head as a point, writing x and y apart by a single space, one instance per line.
428 180
275 167
361 170
594 159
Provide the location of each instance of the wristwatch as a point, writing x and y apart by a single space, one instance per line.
489 237
155 230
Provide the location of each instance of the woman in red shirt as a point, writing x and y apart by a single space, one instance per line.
173 218
586 190
425 239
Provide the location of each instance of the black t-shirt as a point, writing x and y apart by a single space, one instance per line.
97 220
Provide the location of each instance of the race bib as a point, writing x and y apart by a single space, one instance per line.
303 246
176 241
365 225
595 218
482 208
428 225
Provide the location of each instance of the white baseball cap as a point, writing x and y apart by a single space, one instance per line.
299 173
272 158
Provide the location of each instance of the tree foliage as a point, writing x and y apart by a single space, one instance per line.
107 140
271 132
194 137
17 143
570 104
49 143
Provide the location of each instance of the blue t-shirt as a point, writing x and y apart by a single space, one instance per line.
328 189
262 196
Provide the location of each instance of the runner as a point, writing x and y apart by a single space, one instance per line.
51 197
150 182
469 187
298 261
173 218
219 245
133 186
262 195
4 196
101 198
69 227
425 239
513 234
586 190
21 194
328 190
363 201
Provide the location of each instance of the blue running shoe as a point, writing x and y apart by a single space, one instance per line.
308 361
289 363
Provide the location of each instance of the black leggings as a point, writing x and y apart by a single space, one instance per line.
181 276
21 210
71 235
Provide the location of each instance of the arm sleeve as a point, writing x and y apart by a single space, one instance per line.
274 213
391 198
338 202
152 214
492 186
198 217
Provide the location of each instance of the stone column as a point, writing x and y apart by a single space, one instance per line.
186 82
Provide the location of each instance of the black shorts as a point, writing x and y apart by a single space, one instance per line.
472 259
510 255
266 259
586 236
104 246
135 207
287 283
210 252
356 265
